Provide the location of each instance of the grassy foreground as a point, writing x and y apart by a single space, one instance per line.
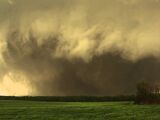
32 110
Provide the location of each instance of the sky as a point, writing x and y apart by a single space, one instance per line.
78 47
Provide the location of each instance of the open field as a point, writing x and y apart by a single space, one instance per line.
33 110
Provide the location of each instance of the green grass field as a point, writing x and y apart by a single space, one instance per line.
28 110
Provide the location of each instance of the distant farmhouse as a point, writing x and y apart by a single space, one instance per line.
148 93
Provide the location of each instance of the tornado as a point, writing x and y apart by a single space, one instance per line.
78 47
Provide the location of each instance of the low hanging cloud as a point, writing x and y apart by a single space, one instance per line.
78 47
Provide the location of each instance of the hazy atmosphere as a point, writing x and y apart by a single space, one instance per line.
78 47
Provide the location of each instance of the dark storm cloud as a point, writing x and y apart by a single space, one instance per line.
66 47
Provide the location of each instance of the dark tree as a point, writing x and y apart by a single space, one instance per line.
147 93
